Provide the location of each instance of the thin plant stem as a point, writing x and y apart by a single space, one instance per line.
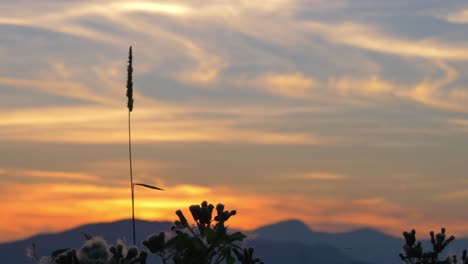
131 178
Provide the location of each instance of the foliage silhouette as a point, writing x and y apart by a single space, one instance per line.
415 254
205 242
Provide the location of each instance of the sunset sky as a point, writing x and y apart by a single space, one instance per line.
340 113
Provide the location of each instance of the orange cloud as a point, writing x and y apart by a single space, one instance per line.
103 125
372 86
431 92
294 85
58 175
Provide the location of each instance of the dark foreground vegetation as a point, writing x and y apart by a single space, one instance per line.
415 254
204 242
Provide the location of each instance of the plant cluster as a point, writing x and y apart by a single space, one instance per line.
415 254
94 251
205 242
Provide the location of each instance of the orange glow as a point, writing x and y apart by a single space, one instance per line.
31 210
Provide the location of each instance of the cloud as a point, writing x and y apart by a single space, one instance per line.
459 123
68 89
317 176
372 86
456 17
294 85
58 175
122 165
369 38
118 15
432 93
207 69
100 125
151 7
452 196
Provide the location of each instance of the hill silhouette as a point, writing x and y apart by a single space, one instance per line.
284 242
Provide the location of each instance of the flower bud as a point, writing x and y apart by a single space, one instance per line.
132 253
155 242
182 218
195 210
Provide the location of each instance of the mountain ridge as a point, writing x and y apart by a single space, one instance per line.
279 241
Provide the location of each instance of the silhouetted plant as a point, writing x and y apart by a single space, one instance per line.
207 241
415 254
130 109
94 251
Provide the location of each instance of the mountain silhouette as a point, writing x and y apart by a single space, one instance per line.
365 244
15 252
277 252
284 242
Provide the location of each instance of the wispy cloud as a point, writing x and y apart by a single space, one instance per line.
58 175
293 85
459 123
369 38
457 17
63 88
84 125
317 176
432 93
372 86
452 196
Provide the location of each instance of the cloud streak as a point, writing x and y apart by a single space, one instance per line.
321 176
368 38
99 125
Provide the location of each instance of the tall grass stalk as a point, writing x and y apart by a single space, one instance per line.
130 108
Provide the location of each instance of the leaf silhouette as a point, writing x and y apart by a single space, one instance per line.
149 186
87 236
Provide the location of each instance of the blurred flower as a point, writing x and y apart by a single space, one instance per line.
94 251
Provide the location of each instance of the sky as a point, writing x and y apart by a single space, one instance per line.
340 113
